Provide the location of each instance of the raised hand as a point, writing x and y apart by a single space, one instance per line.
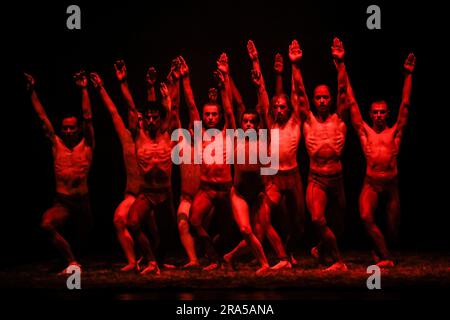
96 81
218 76
337 50
150 77
81 79
410 63
174 73
252 52
278 65
256 78
164 91
30 81
295 53
121 70
165 96
212 95
222 64
184 69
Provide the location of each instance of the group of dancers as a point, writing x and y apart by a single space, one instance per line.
145 217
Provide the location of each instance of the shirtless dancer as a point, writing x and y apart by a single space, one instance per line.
249 185
190 172
134 179
153 148
72 158
380 145
253 191
324 139
215 178
248 182
286 183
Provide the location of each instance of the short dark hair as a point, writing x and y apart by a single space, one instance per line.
212 104
64 116
288 102
324 85
219 109
69 115
252 112
153 106
380 101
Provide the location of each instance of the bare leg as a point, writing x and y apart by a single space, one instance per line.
393 214
316 200
201 206
165 224
263 227
368 201
124 237
295 204
272 196
185 236
138 215
242 217
51 221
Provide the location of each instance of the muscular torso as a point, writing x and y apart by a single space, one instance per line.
380 150
154 159
71 167
289 138
325 143
215 172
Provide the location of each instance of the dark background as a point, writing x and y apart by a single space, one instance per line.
152 34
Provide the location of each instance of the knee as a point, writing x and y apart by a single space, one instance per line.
132 222
264 210
246 231
133 225
47 225
183 226
259 231
367 219
195 220
120 222
319 221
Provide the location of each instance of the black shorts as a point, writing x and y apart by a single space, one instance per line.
249 185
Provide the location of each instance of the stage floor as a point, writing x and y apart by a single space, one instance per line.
416 273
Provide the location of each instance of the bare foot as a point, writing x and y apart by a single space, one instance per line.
169 266
375 257
337 267
294 261
283 264
319 256
263 270
315 253
68 270
138 263
228 258
191 265
129 267
228 263
151 268
212 266
386 264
